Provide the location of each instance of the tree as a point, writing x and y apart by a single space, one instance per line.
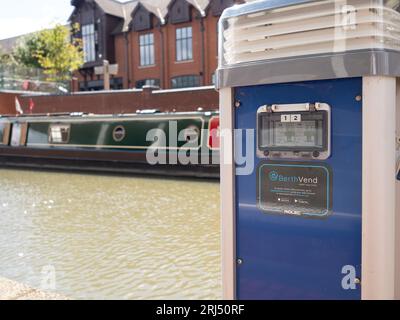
53 50
27 49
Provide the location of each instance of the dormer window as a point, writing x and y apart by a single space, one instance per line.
179 11
89 42
141 19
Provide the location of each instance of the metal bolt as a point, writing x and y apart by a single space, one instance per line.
239 262
238 104
357 281
358 98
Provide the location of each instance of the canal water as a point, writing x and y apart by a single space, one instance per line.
110 237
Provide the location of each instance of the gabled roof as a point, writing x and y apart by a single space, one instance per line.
200 5
157 7
160 7
112 7
128 8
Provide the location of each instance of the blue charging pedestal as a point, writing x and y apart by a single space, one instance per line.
309 126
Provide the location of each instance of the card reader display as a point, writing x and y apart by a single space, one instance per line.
294 131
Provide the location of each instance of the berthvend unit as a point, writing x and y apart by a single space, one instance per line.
310 88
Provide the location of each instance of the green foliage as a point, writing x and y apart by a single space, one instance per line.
53 50
7 59
26 51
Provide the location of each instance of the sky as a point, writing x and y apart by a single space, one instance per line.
19 17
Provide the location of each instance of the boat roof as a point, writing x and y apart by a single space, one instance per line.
88 116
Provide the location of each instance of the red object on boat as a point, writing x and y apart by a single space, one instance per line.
214 140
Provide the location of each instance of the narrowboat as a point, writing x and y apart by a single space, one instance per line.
147 142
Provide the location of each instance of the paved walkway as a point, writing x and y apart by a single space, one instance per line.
11 290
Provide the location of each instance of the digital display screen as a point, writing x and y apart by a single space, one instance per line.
305 133
278 133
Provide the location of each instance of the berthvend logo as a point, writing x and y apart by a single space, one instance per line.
273 176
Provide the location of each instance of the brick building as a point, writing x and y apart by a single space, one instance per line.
166 43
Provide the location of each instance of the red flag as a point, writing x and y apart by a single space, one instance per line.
31 105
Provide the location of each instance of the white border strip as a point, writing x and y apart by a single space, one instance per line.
228 218
379 196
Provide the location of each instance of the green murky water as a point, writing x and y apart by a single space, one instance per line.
110 237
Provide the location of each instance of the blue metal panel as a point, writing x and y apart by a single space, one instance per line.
288 257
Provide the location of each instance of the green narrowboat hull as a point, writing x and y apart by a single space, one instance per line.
177 144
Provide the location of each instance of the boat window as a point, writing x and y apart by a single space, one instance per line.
119 134
16 135
19 134
59 133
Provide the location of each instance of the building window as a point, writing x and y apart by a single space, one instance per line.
146 44
185 82
59 133
89 42
96 85
147 82
184 44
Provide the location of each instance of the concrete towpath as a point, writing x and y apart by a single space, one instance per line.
11 290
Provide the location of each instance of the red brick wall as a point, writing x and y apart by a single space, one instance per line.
121 56
146 72
166 67
211 25
167 62
124 102
181 68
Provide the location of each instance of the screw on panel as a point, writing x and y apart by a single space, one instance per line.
239 262
238 104
357 281
358 98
